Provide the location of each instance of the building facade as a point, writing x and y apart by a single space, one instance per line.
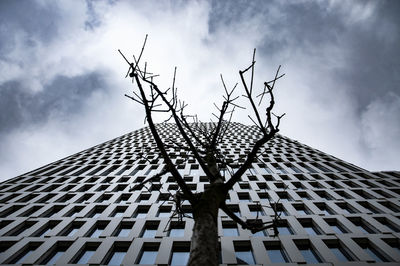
85 210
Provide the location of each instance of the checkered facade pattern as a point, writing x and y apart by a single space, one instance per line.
82 209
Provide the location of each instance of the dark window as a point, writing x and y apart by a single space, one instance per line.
149 230
388 223
372 251
56 253
230 229
20 228
301 209
365 227
243 253
75 210
141 212
180 255
117 255
338 228
309 254
284 229
118 212
164 212
275 252
97 230
148 254
85 255
244 197
177 230
26 251
96 212
47 228
340 251
71 230
124 230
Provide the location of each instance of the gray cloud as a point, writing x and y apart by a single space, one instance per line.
62 98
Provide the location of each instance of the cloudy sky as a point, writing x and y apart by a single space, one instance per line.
62 80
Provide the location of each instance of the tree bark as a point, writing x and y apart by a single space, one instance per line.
204 246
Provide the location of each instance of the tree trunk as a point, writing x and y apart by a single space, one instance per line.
204 246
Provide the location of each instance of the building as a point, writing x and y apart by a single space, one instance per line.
82 209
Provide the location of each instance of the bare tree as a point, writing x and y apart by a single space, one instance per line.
202 142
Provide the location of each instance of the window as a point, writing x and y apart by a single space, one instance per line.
339 229
284 229
301 209
244 197
323 194
243 253
148 254
26 251
30 211
85 255
365 227
275 252
309 227
44 230
164 212
344 194
302 195
53 210
117 255
104 198
234 209
97 230
346 208
393 243
324 209
149 230
283 196
56 253
256 211
309 254
260 233
124 198
123 230
180 255
388 223
369 207
177 230
20 228
372 251
143 198
279 208
4 245
340 251
141 212
75 210
229 229
96 212
194 169
118 212
71 230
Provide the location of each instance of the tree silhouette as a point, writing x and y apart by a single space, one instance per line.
202 142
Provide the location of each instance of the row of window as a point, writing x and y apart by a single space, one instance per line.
313 190
148 228
274 251
320 202
128 167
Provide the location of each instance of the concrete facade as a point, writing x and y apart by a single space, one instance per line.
81 209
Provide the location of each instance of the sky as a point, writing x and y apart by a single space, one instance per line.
62 81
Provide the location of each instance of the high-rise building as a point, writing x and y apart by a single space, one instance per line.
84 209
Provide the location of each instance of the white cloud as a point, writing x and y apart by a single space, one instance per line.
381 128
